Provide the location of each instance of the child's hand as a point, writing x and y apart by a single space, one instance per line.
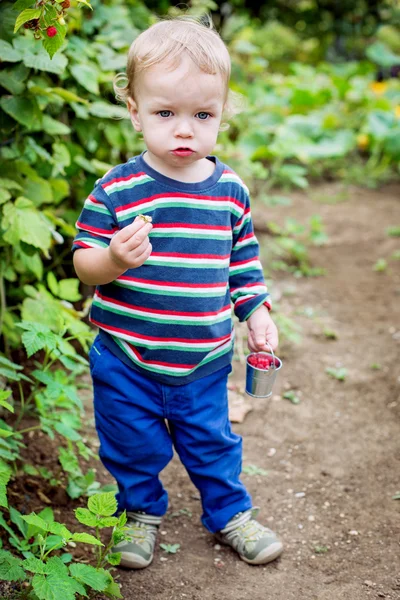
130 247
261 329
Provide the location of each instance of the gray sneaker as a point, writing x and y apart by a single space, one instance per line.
138 550
254 543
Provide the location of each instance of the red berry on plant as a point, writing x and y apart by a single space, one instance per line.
51 31
66 4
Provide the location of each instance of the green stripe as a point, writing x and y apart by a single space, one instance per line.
99 209
242 270
191 234
249 243
194 294
177 264
153 319
92 241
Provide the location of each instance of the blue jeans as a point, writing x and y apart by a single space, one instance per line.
135 443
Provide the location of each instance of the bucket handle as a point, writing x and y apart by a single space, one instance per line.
272 352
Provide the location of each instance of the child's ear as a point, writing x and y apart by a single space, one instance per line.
134 114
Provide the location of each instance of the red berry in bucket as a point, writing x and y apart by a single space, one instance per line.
260 361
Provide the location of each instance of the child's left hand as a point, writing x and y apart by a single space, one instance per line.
261 329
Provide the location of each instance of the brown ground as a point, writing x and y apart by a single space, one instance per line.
333 459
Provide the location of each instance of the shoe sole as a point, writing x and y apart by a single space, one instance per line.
131 561
268 555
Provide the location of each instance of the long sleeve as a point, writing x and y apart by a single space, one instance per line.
246 280
96 224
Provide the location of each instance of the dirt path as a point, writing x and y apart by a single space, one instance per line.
333 460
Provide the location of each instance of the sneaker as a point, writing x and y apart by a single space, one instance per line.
254 543
138 550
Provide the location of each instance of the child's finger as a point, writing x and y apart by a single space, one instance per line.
128 232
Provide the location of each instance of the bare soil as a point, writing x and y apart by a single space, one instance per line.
333 459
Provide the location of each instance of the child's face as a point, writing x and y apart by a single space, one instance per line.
179 113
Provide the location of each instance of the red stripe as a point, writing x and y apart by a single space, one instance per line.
160 339
158 362
82 244
118 179
86 227
162 312
246 237
172 283
93 199
180 255
248 285
243 262
191 226
180 195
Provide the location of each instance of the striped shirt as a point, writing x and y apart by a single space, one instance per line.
171 318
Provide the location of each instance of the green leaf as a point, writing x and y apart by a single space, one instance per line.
69 290
11 567
67 432
34 565
53 127
39 59
52 44
53 587
38 337
85 517
23 110
108 111
60 530
4 394
114 558
6 433
21 4
86 538
97 579
13 79
27 15
23 222
87 76
113 590
68 96
104 504
8 53
38 190
3 495
170 548
36 521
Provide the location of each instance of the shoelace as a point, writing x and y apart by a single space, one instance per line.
141 532
248 533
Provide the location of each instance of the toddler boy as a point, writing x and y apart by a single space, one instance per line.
164 286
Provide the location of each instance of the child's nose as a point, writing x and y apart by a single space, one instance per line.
184 129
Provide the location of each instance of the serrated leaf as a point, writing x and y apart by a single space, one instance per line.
11 567
60 529
114 558
6 433
3 495
67 432
41 60
27 15
23 222
85 517
104 504
53 127
13 79
108 522
113 590
34 565
53 587
108 111
86 538
97 579
36 521
21 4
52 44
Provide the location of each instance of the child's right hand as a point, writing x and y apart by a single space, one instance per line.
131 247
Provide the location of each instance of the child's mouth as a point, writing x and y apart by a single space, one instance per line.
182 152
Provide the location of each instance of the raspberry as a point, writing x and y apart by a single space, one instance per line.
51 31
66 4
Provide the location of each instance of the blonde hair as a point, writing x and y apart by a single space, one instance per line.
165 41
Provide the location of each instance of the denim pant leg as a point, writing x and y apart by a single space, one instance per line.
134 441
210 451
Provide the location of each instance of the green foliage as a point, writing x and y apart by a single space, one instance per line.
45 574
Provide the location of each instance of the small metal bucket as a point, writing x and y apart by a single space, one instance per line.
259 382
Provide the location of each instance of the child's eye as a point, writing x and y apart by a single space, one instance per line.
203 115
164 113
